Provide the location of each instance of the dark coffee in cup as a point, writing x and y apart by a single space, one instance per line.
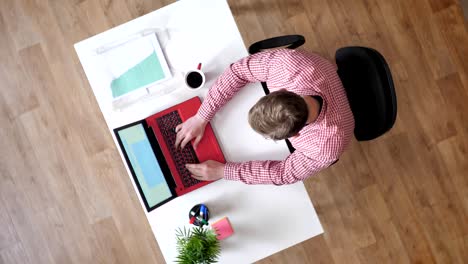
194 80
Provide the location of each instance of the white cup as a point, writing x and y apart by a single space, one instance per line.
195 79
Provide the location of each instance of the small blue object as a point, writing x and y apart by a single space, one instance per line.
203 209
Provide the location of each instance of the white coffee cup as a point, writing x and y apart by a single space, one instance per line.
195 79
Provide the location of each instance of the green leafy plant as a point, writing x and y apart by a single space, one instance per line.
197 246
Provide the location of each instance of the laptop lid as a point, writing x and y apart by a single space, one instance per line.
147 164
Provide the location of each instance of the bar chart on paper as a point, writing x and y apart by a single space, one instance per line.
136 64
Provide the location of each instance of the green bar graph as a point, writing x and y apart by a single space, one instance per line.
147 71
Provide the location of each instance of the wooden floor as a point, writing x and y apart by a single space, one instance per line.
65 196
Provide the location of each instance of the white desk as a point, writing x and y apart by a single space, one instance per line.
266 219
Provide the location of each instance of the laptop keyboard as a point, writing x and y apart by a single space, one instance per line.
167 125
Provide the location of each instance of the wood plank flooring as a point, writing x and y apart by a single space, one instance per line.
403 198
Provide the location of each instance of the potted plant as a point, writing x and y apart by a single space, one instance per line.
197 246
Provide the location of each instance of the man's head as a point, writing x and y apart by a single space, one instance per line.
279 115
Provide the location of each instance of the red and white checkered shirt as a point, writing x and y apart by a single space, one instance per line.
320 143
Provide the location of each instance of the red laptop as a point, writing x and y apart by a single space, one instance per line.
158 168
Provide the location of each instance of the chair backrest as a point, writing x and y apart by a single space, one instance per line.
369 86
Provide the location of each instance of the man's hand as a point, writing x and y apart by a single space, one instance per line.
209 170
194 127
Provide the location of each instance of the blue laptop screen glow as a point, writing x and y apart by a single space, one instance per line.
145 165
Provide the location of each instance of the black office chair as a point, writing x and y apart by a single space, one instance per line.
367 80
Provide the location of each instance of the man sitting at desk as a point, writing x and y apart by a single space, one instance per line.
307 105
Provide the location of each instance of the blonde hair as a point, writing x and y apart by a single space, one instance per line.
279 115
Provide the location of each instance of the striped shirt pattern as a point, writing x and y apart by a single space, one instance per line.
320 143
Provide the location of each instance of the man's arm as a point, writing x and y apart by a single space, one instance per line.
250 69
253 68
296 167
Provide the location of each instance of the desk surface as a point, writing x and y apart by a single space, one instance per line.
266 219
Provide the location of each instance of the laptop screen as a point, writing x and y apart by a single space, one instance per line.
141 156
